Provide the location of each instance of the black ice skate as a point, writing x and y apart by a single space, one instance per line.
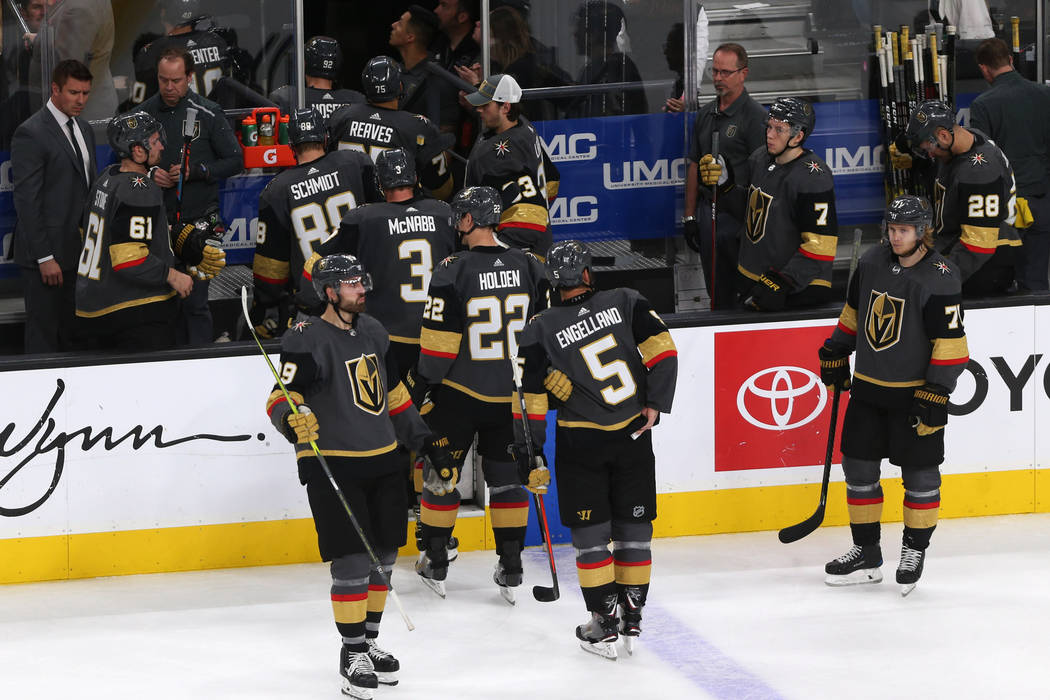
600 634
858 565
359 678
508 573
910 568
631 604
432 576
385 665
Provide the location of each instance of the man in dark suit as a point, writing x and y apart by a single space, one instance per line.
53 166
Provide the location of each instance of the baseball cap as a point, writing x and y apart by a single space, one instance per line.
498 88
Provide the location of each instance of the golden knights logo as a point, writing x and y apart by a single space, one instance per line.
196 128
885 318
758 204
367 383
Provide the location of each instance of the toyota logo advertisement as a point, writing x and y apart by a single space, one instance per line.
771 409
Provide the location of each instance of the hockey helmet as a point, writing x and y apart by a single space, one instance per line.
909 210
306 126
132 129
395 169
482 203
381 79
565 263
323 57
795 112
332 270
180 12
924 122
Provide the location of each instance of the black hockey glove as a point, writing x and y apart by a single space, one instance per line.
534 475
440 473
769 293
199 246
834 366
929 409
417 387
300 427
691 233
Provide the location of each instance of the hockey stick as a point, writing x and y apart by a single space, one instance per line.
327 471
714 216
793 533
544 594
188 128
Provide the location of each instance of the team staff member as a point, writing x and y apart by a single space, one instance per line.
126 278
214 156
904 318
411 35
606 468
301 207
339 372
379 125
975 203
1004 113
510 158
740 124
790 226
477 303
52 152
323 58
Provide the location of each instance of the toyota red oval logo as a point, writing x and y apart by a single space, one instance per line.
781 398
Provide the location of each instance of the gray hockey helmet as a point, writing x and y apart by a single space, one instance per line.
565 263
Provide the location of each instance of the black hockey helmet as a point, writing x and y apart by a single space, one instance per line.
381 79
911 210
132 129
923 124
323 57
306 126
565 263
395 169
482 203
180 12
333 270
795 112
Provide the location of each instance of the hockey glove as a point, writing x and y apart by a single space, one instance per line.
1024 217
901 161
691 233
417 387
712 170
834 366
929 409
558 384
769 293
198 245
440 473
534 476
301 427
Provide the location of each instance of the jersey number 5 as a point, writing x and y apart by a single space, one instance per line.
601 371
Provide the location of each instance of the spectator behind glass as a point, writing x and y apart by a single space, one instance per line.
674 52
17 52
598 22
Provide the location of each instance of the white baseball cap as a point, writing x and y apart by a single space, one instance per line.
496 88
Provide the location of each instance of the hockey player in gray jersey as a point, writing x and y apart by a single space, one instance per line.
379 125
904 319
477 304
790 231
126 276
323 58
510 158
610 366
299 209
340 373
975 199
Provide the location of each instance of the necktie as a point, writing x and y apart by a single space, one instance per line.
76 147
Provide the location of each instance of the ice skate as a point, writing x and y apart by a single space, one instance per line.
452 549
359 678
506 581
858 565
383 662
431 576
910 568
599 635
631 604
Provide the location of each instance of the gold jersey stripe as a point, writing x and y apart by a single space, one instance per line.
820 283
984 238
349 453
920 518
596 426
270 269
848 317
437 517
404 339
655 346
820 245
398 397
125 305
950 349
866 513
535 404
476 395
308 266
552 188
747 273
347 612
123 253
592 577
526 214
879 382
510 517
633 575
443 342
377 599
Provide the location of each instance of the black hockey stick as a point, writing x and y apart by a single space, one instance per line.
794 533
327 470
189 127
714 216
544 594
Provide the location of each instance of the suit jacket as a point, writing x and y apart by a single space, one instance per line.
50 190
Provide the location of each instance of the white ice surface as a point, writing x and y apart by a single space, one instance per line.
730 616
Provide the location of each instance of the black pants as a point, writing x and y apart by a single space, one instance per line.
50 312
